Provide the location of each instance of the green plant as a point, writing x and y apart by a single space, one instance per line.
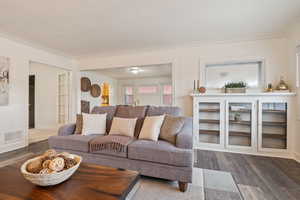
240 84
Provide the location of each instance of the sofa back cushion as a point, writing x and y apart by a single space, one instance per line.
138 112
110 110
163 110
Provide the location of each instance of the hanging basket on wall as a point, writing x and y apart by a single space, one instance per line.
85 84
95 90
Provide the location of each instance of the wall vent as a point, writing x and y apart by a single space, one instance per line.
13 136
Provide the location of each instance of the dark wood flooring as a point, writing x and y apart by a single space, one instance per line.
257 177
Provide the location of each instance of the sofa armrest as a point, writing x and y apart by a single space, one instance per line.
67 129
184 138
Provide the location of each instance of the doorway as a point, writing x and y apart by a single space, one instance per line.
31 101
49 97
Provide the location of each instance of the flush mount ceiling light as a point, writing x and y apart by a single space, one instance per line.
135 70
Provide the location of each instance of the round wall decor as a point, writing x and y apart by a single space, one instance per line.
95 90
85 84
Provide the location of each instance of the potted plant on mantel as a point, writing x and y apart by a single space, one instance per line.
235 87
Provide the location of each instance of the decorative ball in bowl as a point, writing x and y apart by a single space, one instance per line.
51 168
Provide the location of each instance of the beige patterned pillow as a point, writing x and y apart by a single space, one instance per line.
151 127
171 127
123 126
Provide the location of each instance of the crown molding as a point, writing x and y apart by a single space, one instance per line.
194 44
36 46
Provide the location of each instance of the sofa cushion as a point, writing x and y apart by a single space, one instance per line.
110 110
71 142
138 112
171 127
160 152
161 110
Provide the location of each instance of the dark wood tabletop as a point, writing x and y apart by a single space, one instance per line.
89 182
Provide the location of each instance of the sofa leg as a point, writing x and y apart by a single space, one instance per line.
182 186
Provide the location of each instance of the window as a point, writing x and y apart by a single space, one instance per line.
147 89
251 72
167 95
63 98
128 95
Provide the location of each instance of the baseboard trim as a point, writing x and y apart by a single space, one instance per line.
297 157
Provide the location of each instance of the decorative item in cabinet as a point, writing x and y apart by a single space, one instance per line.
239 124
235 87
274 125
209 122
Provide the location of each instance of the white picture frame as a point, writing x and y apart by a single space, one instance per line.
4 80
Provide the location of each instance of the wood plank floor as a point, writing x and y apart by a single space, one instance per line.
257 177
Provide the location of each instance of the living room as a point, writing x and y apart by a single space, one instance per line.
232 72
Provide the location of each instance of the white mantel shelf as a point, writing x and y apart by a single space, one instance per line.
244 94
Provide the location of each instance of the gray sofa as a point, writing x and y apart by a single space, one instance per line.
157 159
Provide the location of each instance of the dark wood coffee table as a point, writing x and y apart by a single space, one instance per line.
89 182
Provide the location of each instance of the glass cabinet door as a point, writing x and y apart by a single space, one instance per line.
210 123
240 124
273 125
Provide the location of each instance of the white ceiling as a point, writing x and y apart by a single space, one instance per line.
162 70
85 27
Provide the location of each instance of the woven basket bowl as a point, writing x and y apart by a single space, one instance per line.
49 179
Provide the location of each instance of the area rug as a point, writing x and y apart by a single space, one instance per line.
207 185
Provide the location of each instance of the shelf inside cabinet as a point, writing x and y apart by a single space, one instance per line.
274 136
209 121
241 122
239 133
241 111
209 132
269 123
274 111
209 110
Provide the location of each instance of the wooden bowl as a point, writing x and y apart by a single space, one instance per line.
49 179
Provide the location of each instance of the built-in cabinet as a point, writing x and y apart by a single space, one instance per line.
253 123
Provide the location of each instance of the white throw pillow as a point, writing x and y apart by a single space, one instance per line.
93 124
123 126
151 127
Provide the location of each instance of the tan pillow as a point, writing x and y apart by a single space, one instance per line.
171 127
79 124
93 124
151 127
123 126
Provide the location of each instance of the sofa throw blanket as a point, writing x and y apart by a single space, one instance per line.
115 143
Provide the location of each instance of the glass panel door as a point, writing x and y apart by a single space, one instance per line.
274 125
240 124
210 122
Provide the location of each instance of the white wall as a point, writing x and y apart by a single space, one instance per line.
97 78
46 94
293 42
14 117
186 62
143 99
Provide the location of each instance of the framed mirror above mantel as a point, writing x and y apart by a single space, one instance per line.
215 74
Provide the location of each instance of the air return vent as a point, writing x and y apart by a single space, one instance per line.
13 136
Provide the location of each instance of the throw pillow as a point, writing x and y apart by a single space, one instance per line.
79 124
171 127
151 127
93 124
123 126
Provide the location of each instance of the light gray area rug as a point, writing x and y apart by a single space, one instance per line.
207 185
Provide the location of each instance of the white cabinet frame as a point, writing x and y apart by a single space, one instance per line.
253 146
260 125
196 126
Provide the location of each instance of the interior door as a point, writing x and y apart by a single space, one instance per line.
31 100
